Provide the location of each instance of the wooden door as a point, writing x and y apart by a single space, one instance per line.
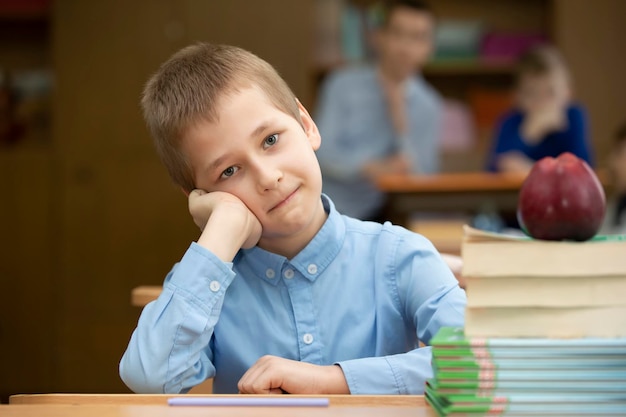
124 224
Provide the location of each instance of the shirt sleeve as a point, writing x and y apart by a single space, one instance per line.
169 351
331 115
579 134
430 298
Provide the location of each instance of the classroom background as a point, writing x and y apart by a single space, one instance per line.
87 211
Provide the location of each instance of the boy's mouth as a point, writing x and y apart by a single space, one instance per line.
285 200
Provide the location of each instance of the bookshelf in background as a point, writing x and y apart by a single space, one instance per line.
473 67
26 76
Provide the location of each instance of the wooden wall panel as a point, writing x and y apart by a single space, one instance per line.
279 31
592 35
124 223
27 296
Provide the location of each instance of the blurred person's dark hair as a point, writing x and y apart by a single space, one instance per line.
541 60
389 6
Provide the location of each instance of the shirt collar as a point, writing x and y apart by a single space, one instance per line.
312 260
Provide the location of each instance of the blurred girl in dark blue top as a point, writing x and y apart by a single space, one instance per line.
546 122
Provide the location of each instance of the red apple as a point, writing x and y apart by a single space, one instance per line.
561 199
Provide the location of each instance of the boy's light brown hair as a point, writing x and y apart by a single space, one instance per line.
541 60
186 89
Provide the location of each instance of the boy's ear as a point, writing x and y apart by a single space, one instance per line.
310 128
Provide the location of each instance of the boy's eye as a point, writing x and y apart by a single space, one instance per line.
270 141
229 172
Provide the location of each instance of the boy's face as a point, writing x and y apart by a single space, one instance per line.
541 92
405 43
264 157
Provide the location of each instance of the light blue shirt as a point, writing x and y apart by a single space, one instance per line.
354 122
360 295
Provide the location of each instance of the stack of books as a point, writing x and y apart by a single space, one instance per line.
527 376
521 287
545 330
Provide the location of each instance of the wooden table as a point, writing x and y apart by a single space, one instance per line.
142 295
464 191
155 405
458 192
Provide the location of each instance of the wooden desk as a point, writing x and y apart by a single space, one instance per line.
458 192
465 191
21 410
142 295
161 399
154 405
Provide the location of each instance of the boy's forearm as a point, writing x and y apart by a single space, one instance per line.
220 241
224 234
165 356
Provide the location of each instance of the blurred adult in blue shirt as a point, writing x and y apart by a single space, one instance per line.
381 118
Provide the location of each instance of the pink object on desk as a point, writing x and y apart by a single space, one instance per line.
457 130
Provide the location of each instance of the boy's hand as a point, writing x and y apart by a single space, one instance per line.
274 375
227 224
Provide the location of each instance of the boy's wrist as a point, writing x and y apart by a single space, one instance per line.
336 383
222 237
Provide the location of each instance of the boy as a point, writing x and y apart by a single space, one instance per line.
281 293
546 122
381 118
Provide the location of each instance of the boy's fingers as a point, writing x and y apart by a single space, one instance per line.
197 192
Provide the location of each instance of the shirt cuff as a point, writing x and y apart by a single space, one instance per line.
201 275
394 374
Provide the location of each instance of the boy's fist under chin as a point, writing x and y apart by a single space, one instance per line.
226 212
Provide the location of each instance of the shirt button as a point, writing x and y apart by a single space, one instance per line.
312 268
214 286
307 338
270 273
288 273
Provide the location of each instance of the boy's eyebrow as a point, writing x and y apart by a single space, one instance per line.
260 129
216 163
255 133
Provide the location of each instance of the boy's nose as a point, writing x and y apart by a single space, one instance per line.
268 178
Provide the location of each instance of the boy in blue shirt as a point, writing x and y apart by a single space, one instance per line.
546 122
281 293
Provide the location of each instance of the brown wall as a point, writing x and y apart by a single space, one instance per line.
94 214
592 35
